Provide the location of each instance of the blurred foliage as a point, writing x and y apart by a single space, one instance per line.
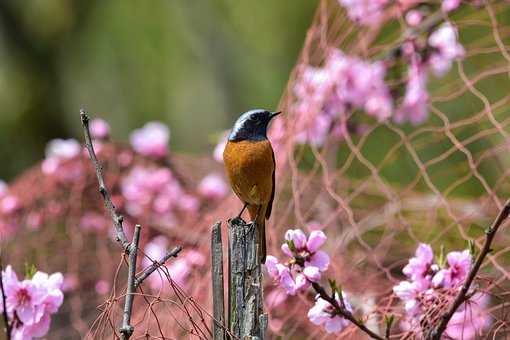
192 64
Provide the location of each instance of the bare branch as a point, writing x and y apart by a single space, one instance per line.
346 314
130 248
462 296
117 219
127 330
151 269
8 330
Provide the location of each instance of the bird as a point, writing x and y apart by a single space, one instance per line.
250 166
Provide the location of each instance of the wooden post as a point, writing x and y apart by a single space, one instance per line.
217 283
245 298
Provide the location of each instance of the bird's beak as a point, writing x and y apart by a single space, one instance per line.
274 114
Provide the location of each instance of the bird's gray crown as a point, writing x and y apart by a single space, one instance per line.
252 125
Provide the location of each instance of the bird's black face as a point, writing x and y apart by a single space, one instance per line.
252 125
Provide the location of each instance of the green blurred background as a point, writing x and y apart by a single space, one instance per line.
192 64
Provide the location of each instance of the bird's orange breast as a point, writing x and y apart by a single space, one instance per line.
250 166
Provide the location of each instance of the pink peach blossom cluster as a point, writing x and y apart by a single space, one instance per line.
58 151
151 140
306 261
156 191
326 93
323 313
370 12
443 48
305 266
365 12
31 302
427 281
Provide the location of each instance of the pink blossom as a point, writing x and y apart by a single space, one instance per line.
316 239
188 203
99 128
9 204
319 259
155 190
287 276
213 187
322 313
297 237
450 5
418 294
414 17
444 40
58 150
408 292
32 301
151 140
312 273
361 84
52 284
459 264
414 105
419 267
365 12
306 264
23 297
102 287
470 319
63 149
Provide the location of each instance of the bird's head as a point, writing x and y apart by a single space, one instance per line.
252 125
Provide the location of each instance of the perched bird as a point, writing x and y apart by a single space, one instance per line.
250 164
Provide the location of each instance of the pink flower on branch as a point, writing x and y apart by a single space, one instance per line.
365 12
323 313
427 286
446 47
151 140
31 302
306 264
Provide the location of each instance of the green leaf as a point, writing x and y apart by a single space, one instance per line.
30 270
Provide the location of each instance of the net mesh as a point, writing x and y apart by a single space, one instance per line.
378 193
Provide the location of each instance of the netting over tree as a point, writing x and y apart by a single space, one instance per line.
378 175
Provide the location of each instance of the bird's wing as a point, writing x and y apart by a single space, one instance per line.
270 204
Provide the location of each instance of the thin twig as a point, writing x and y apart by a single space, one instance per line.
127 330
117 219
4 304
462 295
130 248
156 264
343 311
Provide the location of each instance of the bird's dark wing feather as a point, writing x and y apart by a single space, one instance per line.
270 204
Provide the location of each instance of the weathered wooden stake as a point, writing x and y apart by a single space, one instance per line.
217 283
246 318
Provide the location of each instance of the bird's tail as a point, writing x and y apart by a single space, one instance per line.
259 215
